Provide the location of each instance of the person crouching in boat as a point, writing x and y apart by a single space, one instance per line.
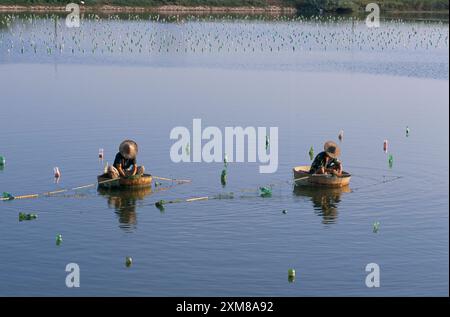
125 162
327 162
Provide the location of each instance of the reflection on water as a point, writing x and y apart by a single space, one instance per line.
124 202
325 200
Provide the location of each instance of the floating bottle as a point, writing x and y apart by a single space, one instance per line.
2 160
225 160
311 153
100 154
7 196
376 227
188 149
391 160
265 191
291 275
407 131
385 146
128 261
59 239
267 142
57 172
223 177
341 135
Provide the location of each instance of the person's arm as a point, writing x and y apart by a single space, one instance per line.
135 168
325 169
337 170
121 171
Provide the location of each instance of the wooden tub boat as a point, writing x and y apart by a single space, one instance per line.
303 178
133 182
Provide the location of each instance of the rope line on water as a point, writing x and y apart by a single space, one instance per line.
181 181
59 191
384 181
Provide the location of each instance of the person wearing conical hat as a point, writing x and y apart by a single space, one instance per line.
326 162
125 161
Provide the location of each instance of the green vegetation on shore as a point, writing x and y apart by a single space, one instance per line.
146 3
311 5
355 5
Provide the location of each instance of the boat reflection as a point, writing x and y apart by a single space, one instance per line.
124 201
325 200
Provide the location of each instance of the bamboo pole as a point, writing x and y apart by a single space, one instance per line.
85 186
55 192
27 196
196 199
300 178
109 180
172 179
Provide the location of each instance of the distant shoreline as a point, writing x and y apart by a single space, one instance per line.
156 9
176 9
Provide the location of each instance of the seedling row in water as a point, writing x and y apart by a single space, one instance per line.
110 36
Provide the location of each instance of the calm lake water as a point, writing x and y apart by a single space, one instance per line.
65 93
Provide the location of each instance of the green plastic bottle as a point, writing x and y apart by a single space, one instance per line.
223 177
7 196
265 191
59 239
2 160
391 160
376 227
311 153
128 261
291 275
